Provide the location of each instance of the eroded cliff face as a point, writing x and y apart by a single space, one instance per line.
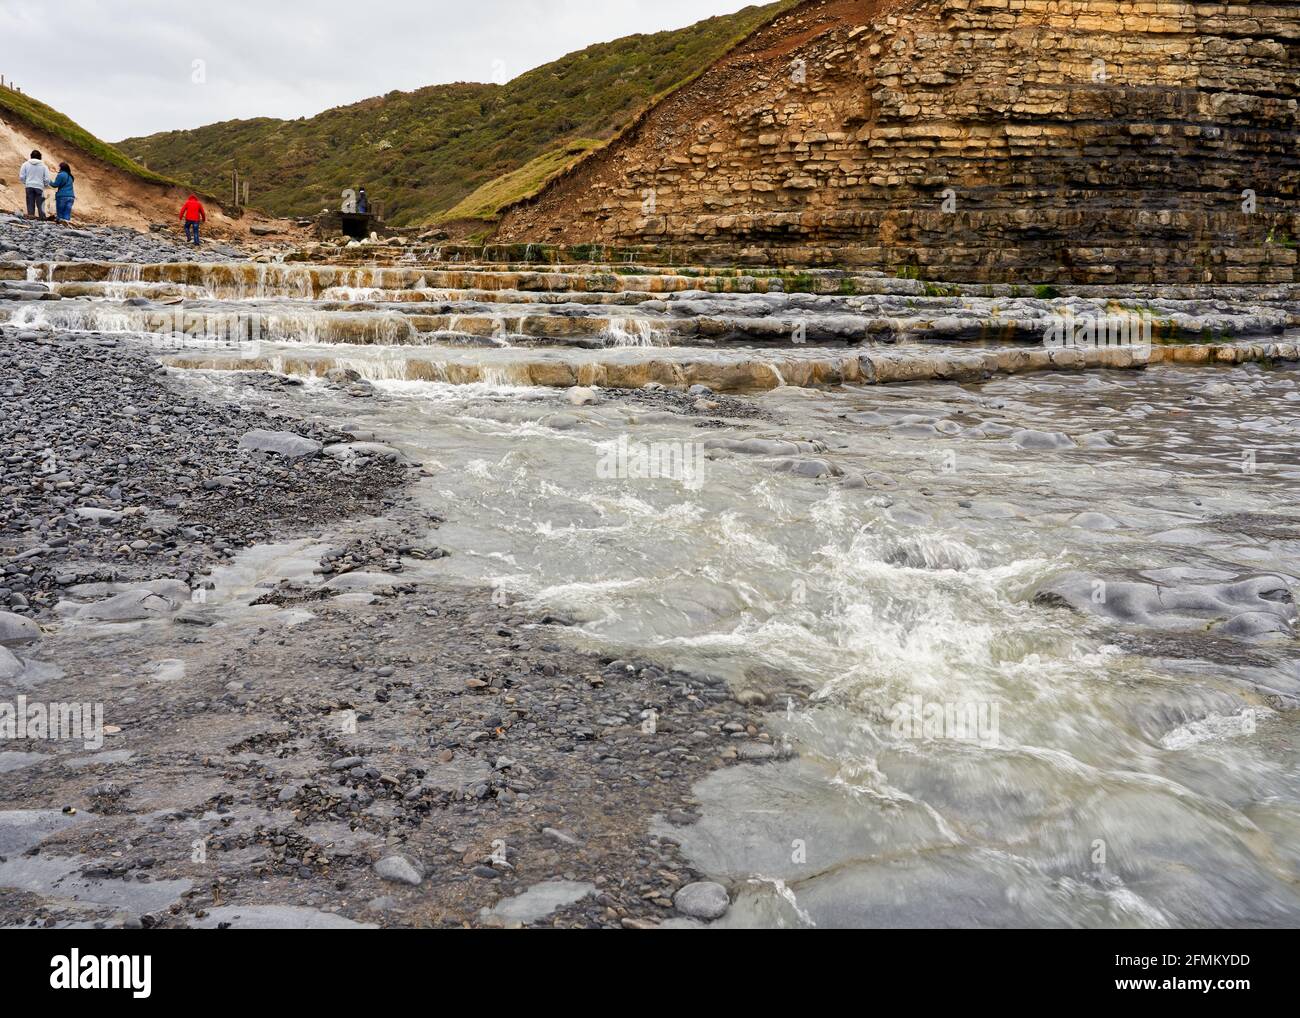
998 140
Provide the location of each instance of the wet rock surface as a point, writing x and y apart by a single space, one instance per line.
432 758
34 241
1234 608
706 405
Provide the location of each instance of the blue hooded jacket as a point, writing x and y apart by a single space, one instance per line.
64 184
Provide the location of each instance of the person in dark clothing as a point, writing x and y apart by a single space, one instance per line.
363 202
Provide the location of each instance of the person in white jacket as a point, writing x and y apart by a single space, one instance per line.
35 177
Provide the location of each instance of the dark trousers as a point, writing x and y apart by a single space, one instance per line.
36 202
192 230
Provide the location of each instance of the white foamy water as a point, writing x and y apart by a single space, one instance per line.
1111 790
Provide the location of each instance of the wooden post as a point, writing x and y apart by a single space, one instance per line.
245 192
234 187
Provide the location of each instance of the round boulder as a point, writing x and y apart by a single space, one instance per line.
702 900
15 631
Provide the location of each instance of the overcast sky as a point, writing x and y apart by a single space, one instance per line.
123 68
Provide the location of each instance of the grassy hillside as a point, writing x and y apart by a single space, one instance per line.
51 121
487 201
422 153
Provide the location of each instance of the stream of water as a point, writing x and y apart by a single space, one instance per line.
1041 625
1114 774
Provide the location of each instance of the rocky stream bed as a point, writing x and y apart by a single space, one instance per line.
411 592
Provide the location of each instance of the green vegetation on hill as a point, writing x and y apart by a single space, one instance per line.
488 200
52 122
423 153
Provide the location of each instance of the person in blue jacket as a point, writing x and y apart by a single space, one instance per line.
64 196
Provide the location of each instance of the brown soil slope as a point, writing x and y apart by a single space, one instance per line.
107 194
998 140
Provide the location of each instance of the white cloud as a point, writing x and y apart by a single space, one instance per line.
125 67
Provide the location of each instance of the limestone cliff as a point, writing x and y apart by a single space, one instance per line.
1000 140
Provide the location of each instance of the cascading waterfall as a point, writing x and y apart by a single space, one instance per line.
633 332
125 272
123 281
260 281
220 324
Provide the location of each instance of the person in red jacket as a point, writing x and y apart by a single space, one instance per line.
193 213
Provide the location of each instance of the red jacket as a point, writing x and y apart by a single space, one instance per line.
192 211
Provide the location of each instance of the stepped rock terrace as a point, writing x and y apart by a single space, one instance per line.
726 330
